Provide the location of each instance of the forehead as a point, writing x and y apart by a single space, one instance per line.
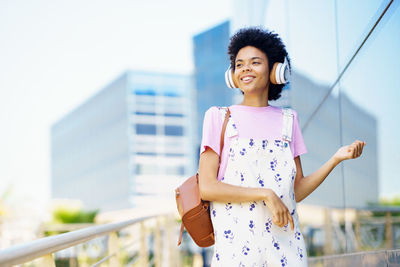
250 52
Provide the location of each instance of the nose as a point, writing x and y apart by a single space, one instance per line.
246 67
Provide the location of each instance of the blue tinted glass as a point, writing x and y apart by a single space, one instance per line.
173 115
174 130
174 154
170 94
146 153
145 129
145 113
145 92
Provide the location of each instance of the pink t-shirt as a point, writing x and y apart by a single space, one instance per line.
251 122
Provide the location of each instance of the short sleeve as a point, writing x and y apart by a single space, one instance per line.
212 127
298 146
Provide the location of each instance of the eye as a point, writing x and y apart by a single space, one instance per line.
256 62
238 65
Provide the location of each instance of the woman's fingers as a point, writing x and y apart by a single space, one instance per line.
275 219
356 148
291 220
280 216
282 222
359 149
359 145
280 213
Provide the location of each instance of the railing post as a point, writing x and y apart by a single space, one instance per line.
83 258
144 257
328 248
197 260
357 229
173 257
389 231
47 261
113 249
158 244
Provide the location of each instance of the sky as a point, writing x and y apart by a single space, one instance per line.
56 54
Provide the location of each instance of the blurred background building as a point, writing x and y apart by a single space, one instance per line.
128 145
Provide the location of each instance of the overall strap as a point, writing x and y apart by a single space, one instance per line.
221 146
287 124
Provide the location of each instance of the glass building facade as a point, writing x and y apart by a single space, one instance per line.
211 62
127 146
345 87
345 48
340 51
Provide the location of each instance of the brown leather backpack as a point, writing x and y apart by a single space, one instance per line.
194 211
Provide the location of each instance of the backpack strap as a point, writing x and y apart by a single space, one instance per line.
287 125
227 115
180 234
221 146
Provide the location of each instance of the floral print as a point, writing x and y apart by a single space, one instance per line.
244 232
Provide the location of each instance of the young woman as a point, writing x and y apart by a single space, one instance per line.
254 190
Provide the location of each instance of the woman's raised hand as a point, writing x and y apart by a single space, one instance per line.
351 151
280 213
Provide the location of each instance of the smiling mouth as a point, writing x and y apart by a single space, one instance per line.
247 79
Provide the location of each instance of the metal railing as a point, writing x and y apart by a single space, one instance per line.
382 258
44 248
154 241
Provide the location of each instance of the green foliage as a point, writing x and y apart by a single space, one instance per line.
67 215
390 202
386 202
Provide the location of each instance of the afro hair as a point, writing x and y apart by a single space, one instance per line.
266 41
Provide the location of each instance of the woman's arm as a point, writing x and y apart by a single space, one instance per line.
304 186
213 190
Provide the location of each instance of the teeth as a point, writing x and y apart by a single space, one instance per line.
246 79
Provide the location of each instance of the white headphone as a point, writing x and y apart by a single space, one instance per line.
279 74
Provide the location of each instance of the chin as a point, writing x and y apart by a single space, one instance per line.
250 89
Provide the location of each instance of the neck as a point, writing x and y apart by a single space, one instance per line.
256 100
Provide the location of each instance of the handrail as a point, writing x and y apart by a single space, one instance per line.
22 253
364 258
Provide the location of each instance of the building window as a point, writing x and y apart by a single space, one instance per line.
146 153
175 170
145 129
174 154
145 113
147 169
173 115
174 130
148 91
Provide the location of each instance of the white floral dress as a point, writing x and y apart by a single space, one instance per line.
244 232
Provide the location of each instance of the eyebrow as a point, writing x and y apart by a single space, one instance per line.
251 59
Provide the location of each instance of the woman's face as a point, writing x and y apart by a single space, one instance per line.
251 70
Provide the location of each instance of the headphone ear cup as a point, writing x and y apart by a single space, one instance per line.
272 75
279 73
230 82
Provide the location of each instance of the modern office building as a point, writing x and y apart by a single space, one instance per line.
127 146
211 61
